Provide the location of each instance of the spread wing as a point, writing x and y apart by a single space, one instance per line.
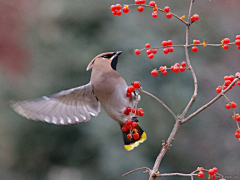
66 107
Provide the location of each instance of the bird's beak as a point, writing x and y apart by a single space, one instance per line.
116 54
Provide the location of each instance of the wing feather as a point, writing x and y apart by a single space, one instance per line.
66 107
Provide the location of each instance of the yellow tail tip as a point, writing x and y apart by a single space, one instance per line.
130 147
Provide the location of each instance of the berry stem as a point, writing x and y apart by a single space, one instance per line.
159 9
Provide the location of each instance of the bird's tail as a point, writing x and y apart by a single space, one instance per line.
130 140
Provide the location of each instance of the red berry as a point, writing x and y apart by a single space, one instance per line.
211 171
176 69
142 1
136 84
194 49
134 124
129 94
119 13
164 72
219 89
152 3
118 7
131 88
200 174
147 45
238 83
149 51
154 73
197 42
170 49
233 104
227 82
169 42
141 113
228 106
164 43
166 9
225 46
182 69
140 9
114 13
137 111
133 110
238 37
172 68
169 15
177 64
213 176
237 42
135 136
165 51
125 9
237 135
237 74
195 17
129 136
184 64
124 128
238 118
137 2
150 56
137 51
128 122
140 109
191 19
226 78
231 78
113 7
128 109
215 169
226 41
154 51
162 69
154 14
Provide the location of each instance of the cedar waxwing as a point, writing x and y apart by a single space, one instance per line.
106 87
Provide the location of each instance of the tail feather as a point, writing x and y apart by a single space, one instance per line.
131 144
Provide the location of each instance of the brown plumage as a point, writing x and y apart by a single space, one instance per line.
75 105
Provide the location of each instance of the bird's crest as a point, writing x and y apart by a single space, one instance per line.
98 56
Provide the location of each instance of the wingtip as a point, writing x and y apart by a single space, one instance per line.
130 147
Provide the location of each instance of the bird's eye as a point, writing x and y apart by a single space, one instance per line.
108 56
105 56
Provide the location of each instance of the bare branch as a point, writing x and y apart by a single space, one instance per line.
162 103
209 103
189 65
174 174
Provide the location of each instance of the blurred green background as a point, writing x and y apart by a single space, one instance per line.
46 47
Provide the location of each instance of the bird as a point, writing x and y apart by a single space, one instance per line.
106 88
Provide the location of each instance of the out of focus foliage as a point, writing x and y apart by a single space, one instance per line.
56 41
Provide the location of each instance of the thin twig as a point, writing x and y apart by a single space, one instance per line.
162 103
136 170
206 44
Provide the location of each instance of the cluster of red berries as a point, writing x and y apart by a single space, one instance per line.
116 9
236 117
175 68
130 125
237 41
195 17
166 9
132 87
212 173
231 105
227 81
168 45
137 112
225 43
194 48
